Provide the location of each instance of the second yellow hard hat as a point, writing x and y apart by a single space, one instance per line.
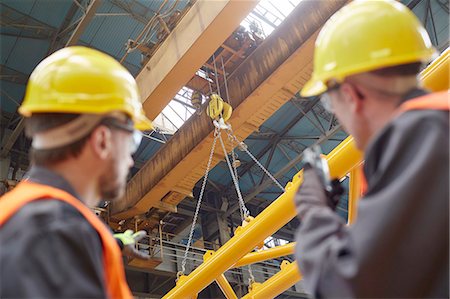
366 35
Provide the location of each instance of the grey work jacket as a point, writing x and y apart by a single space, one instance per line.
49 250
399 245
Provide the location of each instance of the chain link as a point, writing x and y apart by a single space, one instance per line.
233 157
235 181
243 147
202 191
250 273
234 175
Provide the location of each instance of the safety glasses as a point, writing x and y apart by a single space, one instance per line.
325 98
136 136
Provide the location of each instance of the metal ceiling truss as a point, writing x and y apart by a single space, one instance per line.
429 20
11 75
139 14
274 140
16 23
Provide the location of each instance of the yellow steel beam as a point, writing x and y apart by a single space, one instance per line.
267 254
436 76
354 193
222 281
266 80
280 212
277 284
226 288
198 34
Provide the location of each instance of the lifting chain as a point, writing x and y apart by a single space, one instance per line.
234 175
197 208
245 211
243 147
220 112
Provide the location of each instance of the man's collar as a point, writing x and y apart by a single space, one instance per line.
45 176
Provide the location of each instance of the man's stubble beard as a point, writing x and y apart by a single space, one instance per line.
111 188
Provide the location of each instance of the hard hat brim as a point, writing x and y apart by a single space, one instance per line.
144 124
313 88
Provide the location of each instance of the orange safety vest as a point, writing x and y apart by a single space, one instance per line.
26 192
432 101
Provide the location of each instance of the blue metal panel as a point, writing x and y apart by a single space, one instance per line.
40 10
113 32
15 91
26 54
94 25
24 6
6 46
50 11
281 117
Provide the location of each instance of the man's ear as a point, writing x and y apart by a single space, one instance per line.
353 97
101 142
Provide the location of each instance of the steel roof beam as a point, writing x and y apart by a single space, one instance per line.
12 138
278 136
12 75
58 36
90 13
11 18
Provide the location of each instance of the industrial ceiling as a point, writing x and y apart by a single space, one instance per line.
173 48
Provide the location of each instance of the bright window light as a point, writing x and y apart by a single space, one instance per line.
272 242
268 14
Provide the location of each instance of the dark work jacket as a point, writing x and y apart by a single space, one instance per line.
399 245
48 250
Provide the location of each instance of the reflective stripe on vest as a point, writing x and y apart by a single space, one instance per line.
26 192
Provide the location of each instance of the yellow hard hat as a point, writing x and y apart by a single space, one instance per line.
363 36
83 81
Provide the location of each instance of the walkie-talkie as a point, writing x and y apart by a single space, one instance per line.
312 157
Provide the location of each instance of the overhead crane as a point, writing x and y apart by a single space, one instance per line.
266 80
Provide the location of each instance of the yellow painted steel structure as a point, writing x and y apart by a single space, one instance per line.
280 212
225 286
289 275
222 281
277 284
436 76
354 192
264 255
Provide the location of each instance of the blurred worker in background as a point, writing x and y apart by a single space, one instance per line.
366 64
83 111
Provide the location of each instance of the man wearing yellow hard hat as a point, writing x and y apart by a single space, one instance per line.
83 111
366 63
